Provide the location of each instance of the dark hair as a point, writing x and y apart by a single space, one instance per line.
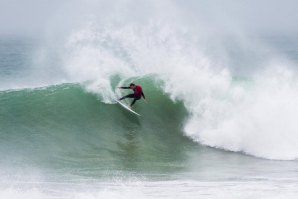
131 84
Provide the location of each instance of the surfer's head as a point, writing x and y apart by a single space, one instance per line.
132 85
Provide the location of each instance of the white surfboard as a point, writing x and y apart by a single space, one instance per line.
126 107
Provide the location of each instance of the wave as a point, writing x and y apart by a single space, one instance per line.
249 116
64 126
238 94
239 115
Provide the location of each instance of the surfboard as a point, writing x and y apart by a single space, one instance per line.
127 108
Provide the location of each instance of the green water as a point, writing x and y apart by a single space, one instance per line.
63 127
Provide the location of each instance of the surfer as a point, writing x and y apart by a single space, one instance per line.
136 95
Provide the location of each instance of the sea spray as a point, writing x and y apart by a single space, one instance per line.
223 113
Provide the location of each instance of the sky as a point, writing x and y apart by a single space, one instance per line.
259 15
34 17
25 16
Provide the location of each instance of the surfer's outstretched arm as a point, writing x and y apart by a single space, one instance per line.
124 87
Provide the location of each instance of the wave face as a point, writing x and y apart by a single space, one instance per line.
63 128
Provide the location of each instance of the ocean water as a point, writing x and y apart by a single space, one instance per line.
67 141
220 121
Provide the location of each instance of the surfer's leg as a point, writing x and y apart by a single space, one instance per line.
127 96
134 100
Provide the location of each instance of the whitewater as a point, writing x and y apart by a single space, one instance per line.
220 121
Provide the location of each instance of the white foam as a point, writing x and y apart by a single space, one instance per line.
259 121
163 189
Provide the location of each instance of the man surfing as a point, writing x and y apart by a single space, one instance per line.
136 95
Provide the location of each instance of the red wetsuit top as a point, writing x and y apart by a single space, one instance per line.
138 91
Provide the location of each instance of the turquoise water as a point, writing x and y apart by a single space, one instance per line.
75 129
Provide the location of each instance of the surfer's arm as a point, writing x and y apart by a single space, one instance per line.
124 87
143 96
